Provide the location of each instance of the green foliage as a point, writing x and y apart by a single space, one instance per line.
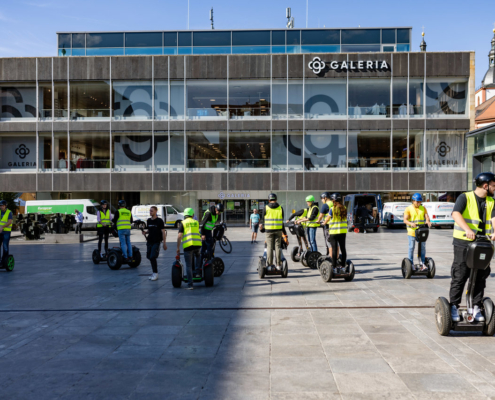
10 199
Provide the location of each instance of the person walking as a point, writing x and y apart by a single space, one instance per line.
6 220
273 222
311 221
123 221
79 221
190 238
155 234
103 223
415 215
254 222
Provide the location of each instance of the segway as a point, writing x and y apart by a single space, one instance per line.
97 257
408 269
264 270
328 273
479 255
307 257
216 262
9 263
206 273
115 259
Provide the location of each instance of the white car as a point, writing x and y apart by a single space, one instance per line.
173 214
393 214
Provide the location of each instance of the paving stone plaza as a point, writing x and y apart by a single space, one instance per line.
70 329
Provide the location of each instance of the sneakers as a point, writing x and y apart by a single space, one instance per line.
423 267
454 313
189 288
279 267
478 317
102 255
154 276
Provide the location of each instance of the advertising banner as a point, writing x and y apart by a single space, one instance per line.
18 153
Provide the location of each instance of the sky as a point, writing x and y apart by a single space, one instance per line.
28 28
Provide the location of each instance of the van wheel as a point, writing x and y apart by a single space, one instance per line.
375 230
176 225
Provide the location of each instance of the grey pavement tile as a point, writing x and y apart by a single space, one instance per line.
452 383
190 352
172 382
370 383
379 396
305 396
150 340
350 365
283 350
232 384
308 381
420 364
299 364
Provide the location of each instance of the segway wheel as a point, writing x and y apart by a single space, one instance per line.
443 318
489 328
262 268
294 254
431 268
209 275
285 269
96 256
114 260
321 259
326 271
10 263
352 271
304 261
176 275
136 259
406 268
312 259
218 267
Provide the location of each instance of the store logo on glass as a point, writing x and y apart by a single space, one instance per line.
320 67
442 149
22 151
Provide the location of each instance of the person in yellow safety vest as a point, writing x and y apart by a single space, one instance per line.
311 221
6 219
123 221
326 206
297 216
210 218
474 213
272 224
103 223
414 216
337 228
190 238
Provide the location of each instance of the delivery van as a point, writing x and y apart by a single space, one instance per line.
393 214
440 213
362 211
171 214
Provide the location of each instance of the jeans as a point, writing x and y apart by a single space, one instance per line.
125 242
274 240
412 243
5 239
312 238
152 253
192 257
207 245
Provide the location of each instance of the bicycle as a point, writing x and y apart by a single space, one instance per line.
219 236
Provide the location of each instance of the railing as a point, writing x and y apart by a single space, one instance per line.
83 114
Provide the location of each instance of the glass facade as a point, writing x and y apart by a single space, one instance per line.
89 100
206 151
249 151
325 150
235 42
132 151
89 151
18 152
132 100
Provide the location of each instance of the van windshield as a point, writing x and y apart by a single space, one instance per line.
178 208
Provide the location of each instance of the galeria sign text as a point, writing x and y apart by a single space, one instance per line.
318 66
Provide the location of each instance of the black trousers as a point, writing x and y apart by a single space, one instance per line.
207 245
337 241
79 227
152 253
103 232
460 275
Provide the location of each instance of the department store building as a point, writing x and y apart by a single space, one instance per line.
194 117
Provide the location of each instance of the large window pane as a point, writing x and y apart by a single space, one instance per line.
360 36
143 39
45 152
403 36
60 100
161 151
64 41
45 101
321 37
251 50
399 150
416 149
250 38
176 151
89 151
279 101
321 48
161 99
293 37
369 98
249 151
89 100
212 38
104 40
388 36
446 97
212 50
295 151
185 38
177 99
249 99
132 151
416 98
278 38
132 100
206 150
325 150
325 98
399 98
78 40
207 99
170 39
369 150
445 150
360 48
143 51
18 152
18 101
61 152
296 98
279 150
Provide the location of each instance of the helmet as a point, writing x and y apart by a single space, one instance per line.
189 212
325 195
310 198
121 203
336 197
272 196
484 177
3 203
417 197
103 202
219 207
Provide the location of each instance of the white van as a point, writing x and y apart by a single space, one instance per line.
88 207
173 214
393 214
440 213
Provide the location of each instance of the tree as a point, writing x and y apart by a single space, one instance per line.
10 198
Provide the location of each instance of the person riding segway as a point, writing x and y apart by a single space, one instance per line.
208 222
311 223
104 222
474 216
336 267
6 218
298 230
325 209
418 223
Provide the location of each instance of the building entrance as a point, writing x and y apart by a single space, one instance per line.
235 212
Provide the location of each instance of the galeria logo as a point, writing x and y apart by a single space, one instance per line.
442 149
22 151
316 65
221 195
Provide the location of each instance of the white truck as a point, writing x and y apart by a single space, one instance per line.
171 214
440 213
393 214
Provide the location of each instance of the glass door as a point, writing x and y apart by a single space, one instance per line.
235 211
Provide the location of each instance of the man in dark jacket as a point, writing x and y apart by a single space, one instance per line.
206 226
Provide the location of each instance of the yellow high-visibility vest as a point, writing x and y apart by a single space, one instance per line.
417 216
472 216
